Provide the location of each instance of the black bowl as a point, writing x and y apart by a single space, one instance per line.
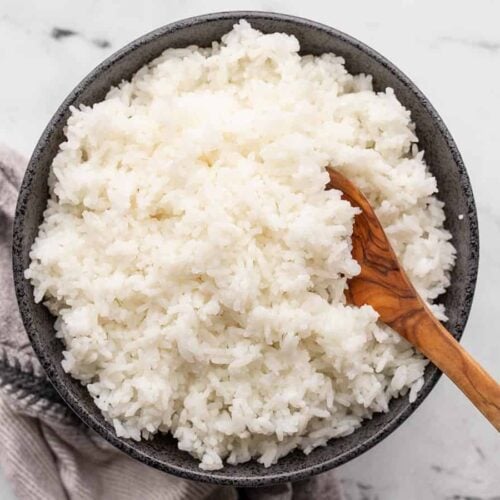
442 157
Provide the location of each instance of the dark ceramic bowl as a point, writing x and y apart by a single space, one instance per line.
442 157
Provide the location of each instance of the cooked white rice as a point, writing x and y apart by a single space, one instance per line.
197 266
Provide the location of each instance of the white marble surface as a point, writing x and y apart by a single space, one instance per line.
451 49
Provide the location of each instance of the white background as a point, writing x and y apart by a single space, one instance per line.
451 49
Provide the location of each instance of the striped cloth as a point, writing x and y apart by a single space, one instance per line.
47 453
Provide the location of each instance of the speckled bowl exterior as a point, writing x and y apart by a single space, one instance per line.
441 155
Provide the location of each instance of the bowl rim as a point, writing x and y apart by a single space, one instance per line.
218 477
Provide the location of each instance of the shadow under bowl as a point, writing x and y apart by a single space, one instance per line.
441 155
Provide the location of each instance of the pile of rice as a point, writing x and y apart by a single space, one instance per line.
197 266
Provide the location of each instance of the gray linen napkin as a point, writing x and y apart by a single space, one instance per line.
46 452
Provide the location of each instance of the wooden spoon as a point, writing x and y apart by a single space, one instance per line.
383 284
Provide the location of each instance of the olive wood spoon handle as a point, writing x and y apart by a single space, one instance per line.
383 284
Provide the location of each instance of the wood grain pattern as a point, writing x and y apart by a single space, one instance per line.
383 284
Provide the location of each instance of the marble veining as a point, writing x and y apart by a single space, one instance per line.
450 49
62 33
488 45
